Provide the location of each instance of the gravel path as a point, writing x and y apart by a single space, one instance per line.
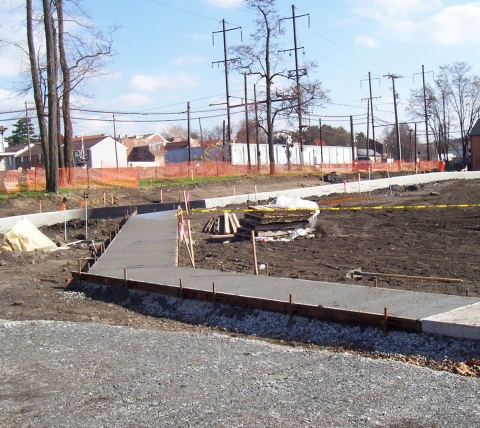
84 374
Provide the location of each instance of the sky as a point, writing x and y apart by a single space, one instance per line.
164 58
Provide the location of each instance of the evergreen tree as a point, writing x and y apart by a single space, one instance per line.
20 135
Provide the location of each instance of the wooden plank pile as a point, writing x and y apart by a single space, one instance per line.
268 221
265 221
223 226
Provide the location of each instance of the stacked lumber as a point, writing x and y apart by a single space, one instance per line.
223 226
268 221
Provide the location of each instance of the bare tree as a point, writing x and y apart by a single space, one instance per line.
438 113
261 58
462 90
52 64
82 53
37 86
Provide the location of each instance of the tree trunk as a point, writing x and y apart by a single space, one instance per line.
268 85
37 91
52 174
67 120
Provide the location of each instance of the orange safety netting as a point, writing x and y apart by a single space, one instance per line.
18 181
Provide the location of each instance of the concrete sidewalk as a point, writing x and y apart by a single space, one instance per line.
147 246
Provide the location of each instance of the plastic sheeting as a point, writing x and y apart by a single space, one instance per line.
297 202
24 236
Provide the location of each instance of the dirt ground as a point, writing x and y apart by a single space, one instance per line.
441 242
429 242
34 285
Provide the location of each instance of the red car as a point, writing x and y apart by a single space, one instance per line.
362 163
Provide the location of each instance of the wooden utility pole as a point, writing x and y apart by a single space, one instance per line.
225 62
188 136
397 130
256 127
298 72
352 139
247 134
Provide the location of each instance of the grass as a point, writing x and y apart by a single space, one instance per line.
183 181
39 194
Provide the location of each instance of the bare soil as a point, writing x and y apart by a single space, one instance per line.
433 242
420 242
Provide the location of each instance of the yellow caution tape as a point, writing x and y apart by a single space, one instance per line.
358 208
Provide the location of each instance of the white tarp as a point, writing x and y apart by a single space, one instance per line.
297 202
24 236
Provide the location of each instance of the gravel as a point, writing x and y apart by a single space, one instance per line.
87 374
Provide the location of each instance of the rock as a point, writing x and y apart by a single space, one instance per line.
411 188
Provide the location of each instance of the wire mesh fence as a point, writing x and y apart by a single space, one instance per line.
13 181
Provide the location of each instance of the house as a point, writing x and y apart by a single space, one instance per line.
12 158
150 154
33 158
177 150
98 151
475 147
155 141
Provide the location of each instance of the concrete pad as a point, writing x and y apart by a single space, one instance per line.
147 247
147 241
462 322
351 187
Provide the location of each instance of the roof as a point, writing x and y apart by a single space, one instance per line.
476 128
15 149
181 144
88 141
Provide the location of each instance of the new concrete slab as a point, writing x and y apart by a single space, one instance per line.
147 247
349 187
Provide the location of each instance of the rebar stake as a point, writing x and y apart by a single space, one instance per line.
214 295
385 322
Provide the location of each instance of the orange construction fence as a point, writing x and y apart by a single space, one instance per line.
18 181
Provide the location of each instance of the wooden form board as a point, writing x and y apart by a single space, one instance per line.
318 312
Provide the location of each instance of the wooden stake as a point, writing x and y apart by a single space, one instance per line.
254 253
376 282
125 278
290 299
214 296
191 243
161 195
385 322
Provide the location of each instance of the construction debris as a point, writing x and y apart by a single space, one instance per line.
287 219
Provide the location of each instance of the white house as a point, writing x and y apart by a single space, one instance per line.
98 151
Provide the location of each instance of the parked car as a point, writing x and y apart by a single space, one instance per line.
362 163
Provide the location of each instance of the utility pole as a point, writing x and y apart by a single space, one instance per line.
425 108
256 127
188 136
415 144
223 151
397 131
28 138
201 138
352 140
247 134
298 73
371 98
321 141
225 61
115 138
